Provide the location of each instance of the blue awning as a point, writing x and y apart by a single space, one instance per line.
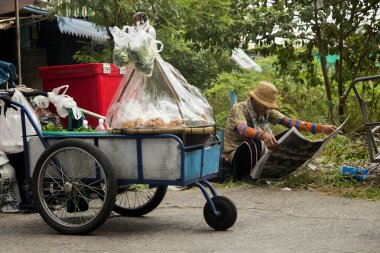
82 28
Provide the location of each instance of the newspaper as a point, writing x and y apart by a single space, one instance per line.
294 150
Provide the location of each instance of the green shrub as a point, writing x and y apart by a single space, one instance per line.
296 100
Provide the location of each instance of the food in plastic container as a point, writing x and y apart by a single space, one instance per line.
163 100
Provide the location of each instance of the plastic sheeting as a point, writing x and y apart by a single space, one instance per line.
244 61
163 100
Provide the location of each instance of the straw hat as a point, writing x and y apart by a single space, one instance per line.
265 94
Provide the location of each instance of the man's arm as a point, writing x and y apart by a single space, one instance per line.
239 122
288 122
249 132
313 128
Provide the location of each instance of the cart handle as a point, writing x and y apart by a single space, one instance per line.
5 96
25 93
370 127
360 99
362 79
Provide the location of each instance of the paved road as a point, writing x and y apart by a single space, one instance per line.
268 221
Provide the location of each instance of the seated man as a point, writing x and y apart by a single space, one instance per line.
247 132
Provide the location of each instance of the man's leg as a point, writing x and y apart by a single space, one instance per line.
242 162
245 159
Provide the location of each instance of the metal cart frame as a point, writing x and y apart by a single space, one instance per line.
219 212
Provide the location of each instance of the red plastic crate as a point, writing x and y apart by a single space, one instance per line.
92 85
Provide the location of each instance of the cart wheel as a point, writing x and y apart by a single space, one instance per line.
74 187
138 199
227 213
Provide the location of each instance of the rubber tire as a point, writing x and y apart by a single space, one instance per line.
109 177
228 213
146 208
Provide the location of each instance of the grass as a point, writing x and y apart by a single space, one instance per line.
332 183
328 182
349 149
229 182
343 150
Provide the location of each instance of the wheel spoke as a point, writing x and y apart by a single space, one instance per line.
85 173
66 183
138 199
59 169
95 189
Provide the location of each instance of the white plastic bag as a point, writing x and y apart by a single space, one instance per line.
11 125
137 46
41 102
43 113
62 102
120 54
142 51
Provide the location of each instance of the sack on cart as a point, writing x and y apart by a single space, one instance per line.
9 192
11 126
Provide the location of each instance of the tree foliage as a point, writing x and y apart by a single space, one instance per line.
348 29
196 34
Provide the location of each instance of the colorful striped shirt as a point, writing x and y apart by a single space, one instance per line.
243 122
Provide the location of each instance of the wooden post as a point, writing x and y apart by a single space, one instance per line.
18 43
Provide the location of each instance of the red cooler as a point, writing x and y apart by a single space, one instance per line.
92 85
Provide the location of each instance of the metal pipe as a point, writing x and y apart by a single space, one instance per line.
95 115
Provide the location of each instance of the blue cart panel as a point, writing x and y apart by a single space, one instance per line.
146 159
201 163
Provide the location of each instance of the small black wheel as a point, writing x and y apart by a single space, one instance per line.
138 199
227 213
74 187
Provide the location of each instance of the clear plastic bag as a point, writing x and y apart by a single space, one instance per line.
164 100
137 46
120 52
142 50
152 94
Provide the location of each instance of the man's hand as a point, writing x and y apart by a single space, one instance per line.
327 129
270 141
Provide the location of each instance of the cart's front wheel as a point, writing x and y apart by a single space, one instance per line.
74 187
138 199
226 216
